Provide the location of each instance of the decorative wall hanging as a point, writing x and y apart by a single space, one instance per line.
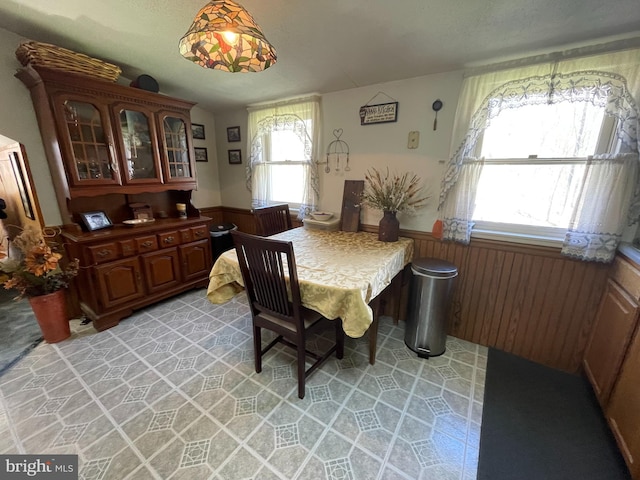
379 112
201 154
437 105
235 157
233 134
197 130
337 150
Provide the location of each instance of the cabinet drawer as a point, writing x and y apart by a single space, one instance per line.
127 247
146 244
200 232
103 252
169 239
627 276
186 235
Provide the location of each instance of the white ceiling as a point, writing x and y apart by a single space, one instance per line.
322 45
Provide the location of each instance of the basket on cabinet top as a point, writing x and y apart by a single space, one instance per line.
50 56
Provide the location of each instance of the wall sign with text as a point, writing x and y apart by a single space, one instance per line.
381 113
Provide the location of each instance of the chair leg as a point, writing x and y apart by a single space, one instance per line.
257 348
339 338
301 370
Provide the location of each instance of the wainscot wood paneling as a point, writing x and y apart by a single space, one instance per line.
527 300
523 299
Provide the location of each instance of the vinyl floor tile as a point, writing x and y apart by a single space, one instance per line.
171 393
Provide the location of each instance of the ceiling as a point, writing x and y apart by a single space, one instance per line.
322 45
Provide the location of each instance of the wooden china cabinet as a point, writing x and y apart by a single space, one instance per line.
110 147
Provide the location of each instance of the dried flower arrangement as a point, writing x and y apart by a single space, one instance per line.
393 193
37 270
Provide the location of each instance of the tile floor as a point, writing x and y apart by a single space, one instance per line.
171 393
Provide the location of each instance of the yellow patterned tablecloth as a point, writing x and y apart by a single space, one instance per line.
339 273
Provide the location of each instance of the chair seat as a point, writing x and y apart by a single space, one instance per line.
310 318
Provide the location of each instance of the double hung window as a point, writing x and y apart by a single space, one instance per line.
282 158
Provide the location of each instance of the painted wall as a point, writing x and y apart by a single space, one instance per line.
18 124
379 145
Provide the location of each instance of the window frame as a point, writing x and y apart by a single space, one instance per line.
534 234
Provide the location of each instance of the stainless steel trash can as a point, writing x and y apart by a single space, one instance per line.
429 299
221 239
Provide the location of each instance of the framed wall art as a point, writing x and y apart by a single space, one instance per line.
197 130
233 134
201 154
235 157
95 220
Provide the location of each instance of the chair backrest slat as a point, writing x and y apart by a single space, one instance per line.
269 271
273 219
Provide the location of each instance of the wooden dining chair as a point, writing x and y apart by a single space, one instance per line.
273 219
269 272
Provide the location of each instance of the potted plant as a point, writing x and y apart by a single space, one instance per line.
392 193
33 267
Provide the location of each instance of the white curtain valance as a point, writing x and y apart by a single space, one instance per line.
611 81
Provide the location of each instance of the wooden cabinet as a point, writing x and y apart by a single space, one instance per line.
612 359
615 323
623 411
127 268
102 138
111 147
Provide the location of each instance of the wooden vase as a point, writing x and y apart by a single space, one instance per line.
389 227
51 313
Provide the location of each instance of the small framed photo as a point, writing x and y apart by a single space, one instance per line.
233 134
235 156
201 154
95 220
197 130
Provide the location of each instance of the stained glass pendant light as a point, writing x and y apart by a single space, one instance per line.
225 36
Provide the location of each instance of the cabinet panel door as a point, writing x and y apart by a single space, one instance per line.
162 269
86 141
610 337
138 144
196 260
623 411
177 146
119 282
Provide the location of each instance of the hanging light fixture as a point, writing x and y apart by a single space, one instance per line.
225 36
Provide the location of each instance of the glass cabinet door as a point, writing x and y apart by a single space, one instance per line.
177 148
89 158
136 132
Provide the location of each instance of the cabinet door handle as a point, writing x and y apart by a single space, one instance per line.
147 244
199 233
168 240
104 253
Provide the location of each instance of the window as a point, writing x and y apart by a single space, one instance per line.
282 166
535 157
285 168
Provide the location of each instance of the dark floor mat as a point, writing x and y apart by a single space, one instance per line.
543 424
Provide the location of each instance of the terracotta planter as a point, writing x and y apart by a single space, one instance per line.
51 313
389 227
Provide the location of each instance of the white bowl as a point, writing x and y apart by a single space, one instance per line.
322 216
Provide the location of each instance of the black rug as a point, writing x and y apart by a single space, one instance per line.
543 424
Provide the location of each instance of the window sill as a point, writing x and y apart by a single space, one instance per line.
528 239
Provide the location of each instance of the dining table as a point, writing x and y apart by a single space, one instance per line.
341 275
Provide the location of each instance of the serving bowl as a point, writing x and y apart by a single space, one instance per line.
322 216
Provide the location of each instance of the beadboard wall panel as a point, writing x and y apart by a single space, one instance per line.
523 299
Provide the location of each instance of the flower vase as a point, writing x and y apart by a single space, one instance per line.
50 311
389 227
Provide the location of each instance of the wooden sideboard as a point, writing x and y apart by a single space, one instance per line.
126 268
